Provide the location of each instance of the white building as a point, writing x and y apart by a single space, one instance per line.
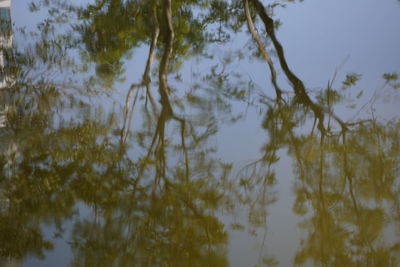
6 37
5 24
5 3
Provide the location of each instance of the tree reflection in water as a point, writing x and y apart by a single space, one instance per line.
155 195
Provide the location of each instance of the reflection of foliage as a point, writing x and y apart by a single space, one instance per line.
154 195
350 185
346 187
110 29
392 79
59 163
348 179
19 235
170 227
347 182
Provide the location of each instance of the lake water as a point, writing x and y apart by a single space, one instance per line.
199 133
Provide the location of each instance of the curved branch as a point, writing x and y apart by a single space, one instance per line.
297 84
164 64
146 75
261 49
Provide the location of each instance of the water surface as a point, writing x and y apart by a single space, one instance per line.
199 133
